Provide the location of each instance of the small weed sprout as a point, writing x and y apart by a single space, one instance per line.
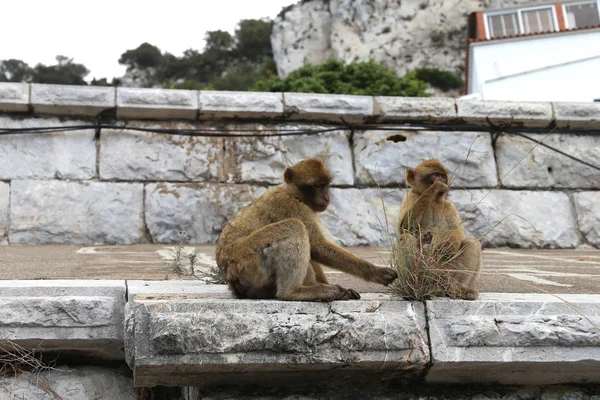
215 276
176 264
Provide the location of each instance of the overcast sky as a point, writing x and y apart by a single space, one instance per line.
96 33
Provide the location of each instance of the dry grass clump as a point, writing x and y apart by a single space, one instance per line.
426 268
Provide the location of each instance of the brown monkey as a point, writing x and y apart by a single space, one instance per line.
426 212
273 248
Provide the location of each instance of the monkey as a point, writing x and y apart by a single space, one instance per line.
426 215
274 247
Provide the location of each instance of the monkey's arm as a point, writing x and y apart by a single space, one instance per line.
454 226
332 255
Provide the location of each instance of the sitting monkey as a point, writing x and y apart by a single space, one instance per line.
273 247
426 216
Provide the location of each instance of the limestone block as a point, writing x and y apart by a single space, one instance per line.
328 107
67 382
88 101
179 288
518 218
514 113
225 104
75 212
577 115
587 205
156 103
206 341
357 217
14 97
56 155
82 317
382 157
200 210
426 109
132 155
4 211
264 160
518 339
545 168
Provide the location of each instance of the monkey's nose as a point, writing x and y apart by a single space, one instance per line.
326 197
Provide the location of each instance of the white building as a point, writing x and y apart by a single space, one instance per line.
547 52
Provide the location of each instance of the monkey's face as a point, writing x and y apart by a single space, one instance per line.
316 196
436 176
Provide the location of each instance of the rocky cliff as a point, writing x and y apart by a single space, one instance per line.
400 34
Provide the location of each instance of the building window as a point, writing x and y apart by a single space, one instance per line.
579 15
503 24
529 20
539 20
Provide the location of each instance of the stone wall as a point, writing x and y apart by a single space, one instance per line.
113 184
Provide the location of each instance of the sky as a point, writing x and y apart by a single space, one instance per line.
96 33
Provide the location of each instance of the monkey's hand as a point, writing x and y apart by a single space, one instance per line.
384 276
439 188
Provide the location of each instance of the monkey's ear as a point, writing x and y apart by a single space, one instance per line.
410 177
288 175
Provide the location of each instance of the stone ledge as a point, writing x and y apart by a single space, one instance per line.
14 97
513 113
230 104
87 101
516 339
399 109
182 341
328 107
67 316
185 104
156 103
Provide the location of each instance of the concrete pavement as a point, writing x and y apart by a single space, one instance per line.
505 270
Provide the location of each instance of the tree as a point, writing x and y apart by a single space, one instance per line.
144 56
253 39
65 72
333 76
444 80
15 71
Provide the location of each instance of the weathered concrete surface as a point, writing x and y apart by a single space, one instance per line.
88 101
518 218
382 158
159 156
71 317
515 339
156 103
545 168
200 210
504 270
184 341
75 212
4 211
230 104
327 107
577 115
513 113
14 97
180 289
72 383
423 109
264 160
587 205
357 217
57 155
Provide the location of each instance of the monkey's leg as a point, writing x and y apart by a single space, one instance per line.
468 262
319 273
282 252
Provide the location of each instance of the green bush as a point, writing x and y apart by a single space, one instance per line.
443 80
365 78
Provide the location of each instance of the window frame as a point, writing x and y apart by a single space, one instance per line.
519 11
576 3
